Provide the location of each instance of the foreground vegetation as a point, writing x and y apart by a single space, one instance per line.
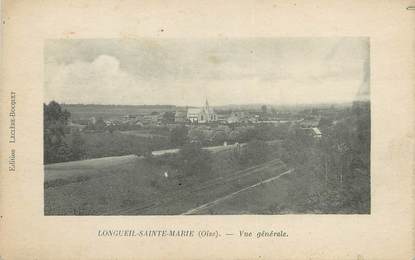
333 175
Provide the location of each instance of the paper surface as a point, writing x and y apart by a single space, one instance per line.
386 233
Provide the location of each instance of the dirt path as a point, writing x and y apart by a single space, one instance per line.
215 202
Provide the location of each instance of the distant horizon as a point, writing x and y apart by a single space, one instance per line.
224 105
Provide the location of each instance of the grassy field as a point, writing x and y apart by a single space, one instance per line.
144 134
136 186
85 168
205 192
104 144
268 198
106 189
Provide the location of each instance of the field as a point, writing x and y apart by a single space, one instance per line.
85 168
105 189
104 144
195 194
112 111
144 134
138 186
267 198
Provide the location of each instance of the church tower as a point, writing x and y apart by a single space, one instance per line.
207 106
210 114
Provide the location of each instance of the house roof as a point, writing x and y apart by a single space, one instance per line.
180 113
316 131
194 111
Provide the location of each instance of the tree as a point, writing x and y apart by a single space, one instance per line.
198 135
219 137
178 136
54 122
194 160
53 113
264 109
111 128
234 135
168 117
63 153
78 146
90 125
100 124
325 122
256 152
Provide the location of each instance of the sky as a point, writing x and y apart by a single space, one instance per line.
224 70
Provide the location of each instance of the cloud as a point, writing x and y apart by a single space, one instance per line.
184 72
99 81
103 81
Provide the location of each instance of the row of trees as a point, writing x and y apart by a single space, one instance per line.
194 161
181 134
104 144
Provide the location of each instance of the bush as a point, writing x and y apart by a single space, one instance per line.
193 160
178 135
78 146
256 152
99 145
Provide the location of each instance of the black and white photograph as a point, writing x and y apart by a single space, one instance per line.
207 126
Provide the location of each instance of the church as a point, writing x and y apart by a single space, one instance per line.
201 115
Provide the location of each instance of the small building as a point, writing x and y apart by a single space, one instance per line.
73 127
138 123
316 133
310 123
253 119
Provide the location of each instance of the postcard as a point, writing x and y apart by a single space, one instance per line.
207 130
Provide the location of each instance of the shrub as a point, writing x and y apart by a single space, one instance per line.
192 159
178 135
256 152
